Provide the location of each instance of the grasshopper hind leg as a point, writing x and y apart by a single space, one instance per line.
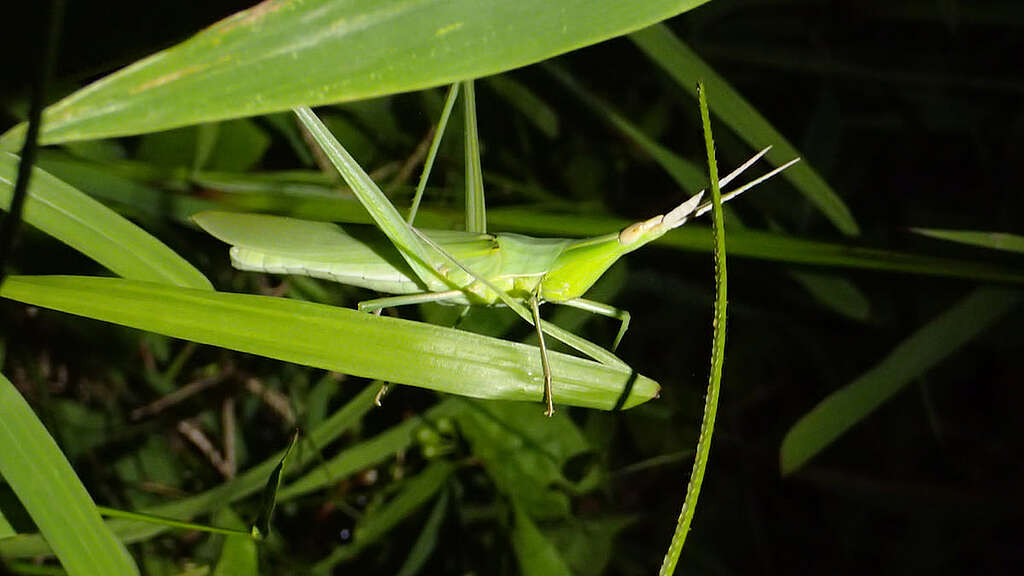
602 309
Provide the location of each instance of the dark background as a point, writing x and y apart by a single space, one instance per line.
913 112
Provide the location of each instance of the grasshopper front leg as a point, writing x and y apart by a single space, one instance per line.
535 310
605 310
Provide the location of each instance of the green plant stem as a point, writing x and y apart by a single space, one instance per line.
707 425
171 522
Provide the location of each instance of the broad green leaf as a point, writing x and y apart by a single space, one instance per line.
33 465
993 240
686 68
588 545
536 554
922 351
238 555
525 453
281 54
95 230
338 339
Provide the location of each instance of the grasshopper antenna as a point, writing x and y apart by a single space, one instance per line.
706 207
692 208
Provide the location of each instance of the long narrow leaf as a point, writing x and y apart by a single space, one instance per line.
373 527
338 339
707 424
476 216
932 343
35 468
74 218
286 53
993 240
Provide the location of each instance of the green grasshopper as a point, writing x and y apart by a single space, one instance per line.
447 266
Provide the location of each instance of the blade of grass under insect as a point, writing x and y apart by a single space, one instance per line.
252 480
425 543
337 339
686 68
261 527
416 492
924 349
33 466
707 424
685 173
476 216
278 55
993 240
526 101
428 164
97 231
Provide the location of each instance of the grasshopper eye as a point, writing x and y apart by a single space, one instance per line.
634 232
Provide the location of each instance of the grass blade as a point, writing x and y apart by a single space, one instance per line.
281 54
686 68
337 339
924 349
261 527
535 110
77 220
476 216
836 293
435 143
687 175
415 493
424 546
34 467
992 240
246 484
707 424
